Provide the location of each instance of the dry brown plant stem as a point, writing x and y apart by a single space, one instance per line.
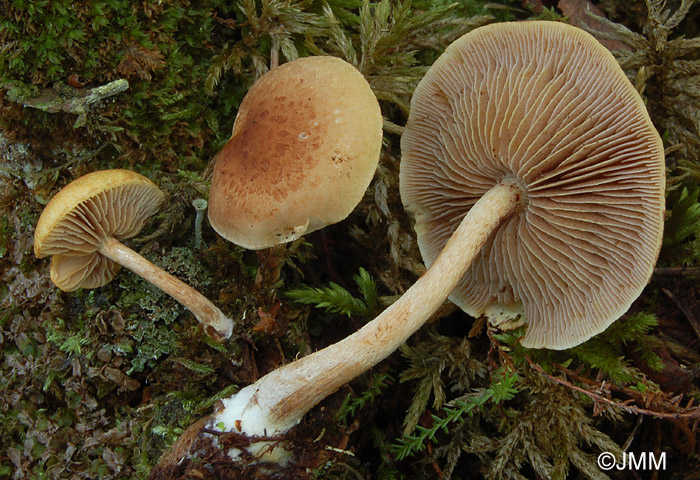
687 413
687 312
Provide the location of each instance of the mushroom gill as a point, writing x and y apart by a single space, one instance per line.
81 228
552 111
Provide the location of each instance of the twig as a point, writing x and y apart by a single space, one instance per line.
243 438
632 434
33 178
692 413
686 311
52 102
77 101
677 271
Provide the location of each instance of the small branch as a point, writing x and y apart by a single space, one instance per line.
76 101
43 173
686 311
677 272
230 23
51 101
691 413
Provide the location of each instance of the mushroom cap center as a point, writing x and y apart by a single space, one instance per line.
305 146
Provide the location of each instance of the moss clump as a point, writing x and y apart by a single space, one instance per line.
163 50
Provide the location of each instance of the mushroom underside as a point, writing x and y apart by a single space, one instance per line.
557 114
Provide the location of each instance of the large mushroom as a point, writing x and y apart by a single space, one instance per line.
542 109
529 151
81 228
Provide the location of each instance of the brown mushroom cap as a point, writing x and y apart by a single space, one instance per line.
73 226
304 148
544 105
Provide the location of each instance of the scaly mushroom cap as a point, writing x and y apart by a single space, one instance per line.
72 227
304 148
543 104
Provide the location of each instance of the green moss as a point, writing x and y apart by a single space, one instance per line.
336 299
163 51
681 244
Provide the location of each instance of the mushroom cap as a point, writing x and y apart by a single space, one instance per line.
305 146
75 223
545 105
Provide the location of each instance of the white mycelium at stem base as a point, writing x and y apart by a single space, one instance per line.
542 111
279 400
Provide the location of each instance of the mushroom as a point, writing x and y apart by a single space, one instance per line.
528 152
544 109
81 228
304 148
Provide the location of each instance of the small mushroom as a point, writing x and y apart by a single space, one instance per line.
81 228
528 150
304 148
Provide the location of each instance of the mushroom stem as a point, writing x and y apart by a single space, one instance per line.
206 312
275 52
279 400
199 204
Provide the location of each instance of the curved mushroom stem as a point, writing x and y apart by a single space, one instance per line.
278 401
206 312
